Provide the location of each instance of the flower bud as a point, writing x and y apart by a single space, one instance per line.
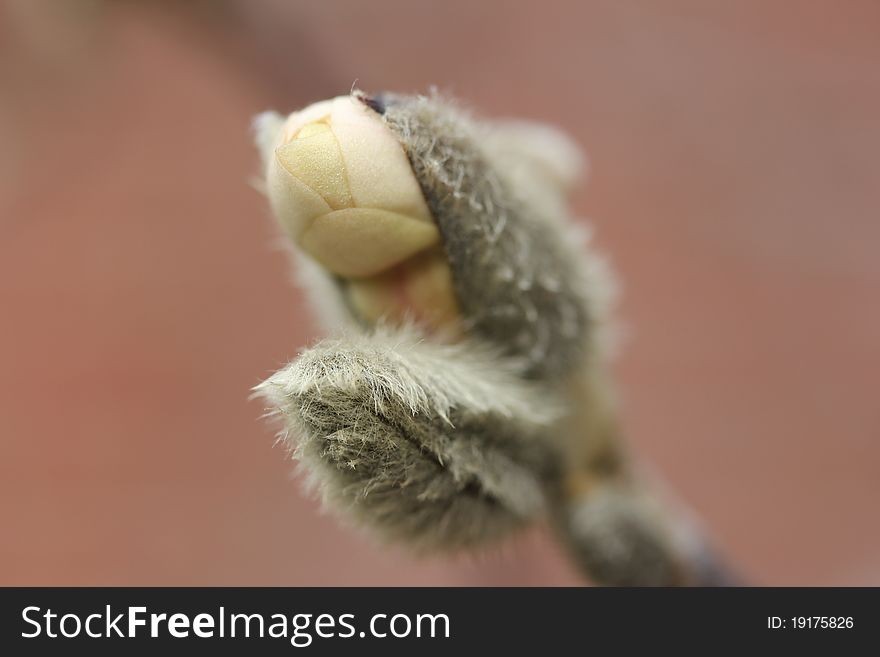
341 185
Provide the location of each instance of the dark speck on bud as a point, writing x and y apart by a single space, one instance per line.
375 103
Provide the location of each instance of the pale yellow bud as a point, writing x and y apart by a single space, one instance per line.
341 185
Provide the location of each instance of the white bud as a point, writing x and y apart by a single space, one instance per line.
341 185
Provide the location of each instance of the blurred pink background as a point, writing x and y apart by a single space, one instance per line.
735 183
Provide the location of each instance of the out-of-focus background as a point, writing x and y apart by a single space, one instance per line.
735 182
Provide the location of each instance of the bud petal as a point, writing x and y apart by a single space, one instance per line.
358 242
379 171
314 157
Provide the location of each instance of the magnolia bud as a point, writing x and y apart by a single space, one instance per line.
341 185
